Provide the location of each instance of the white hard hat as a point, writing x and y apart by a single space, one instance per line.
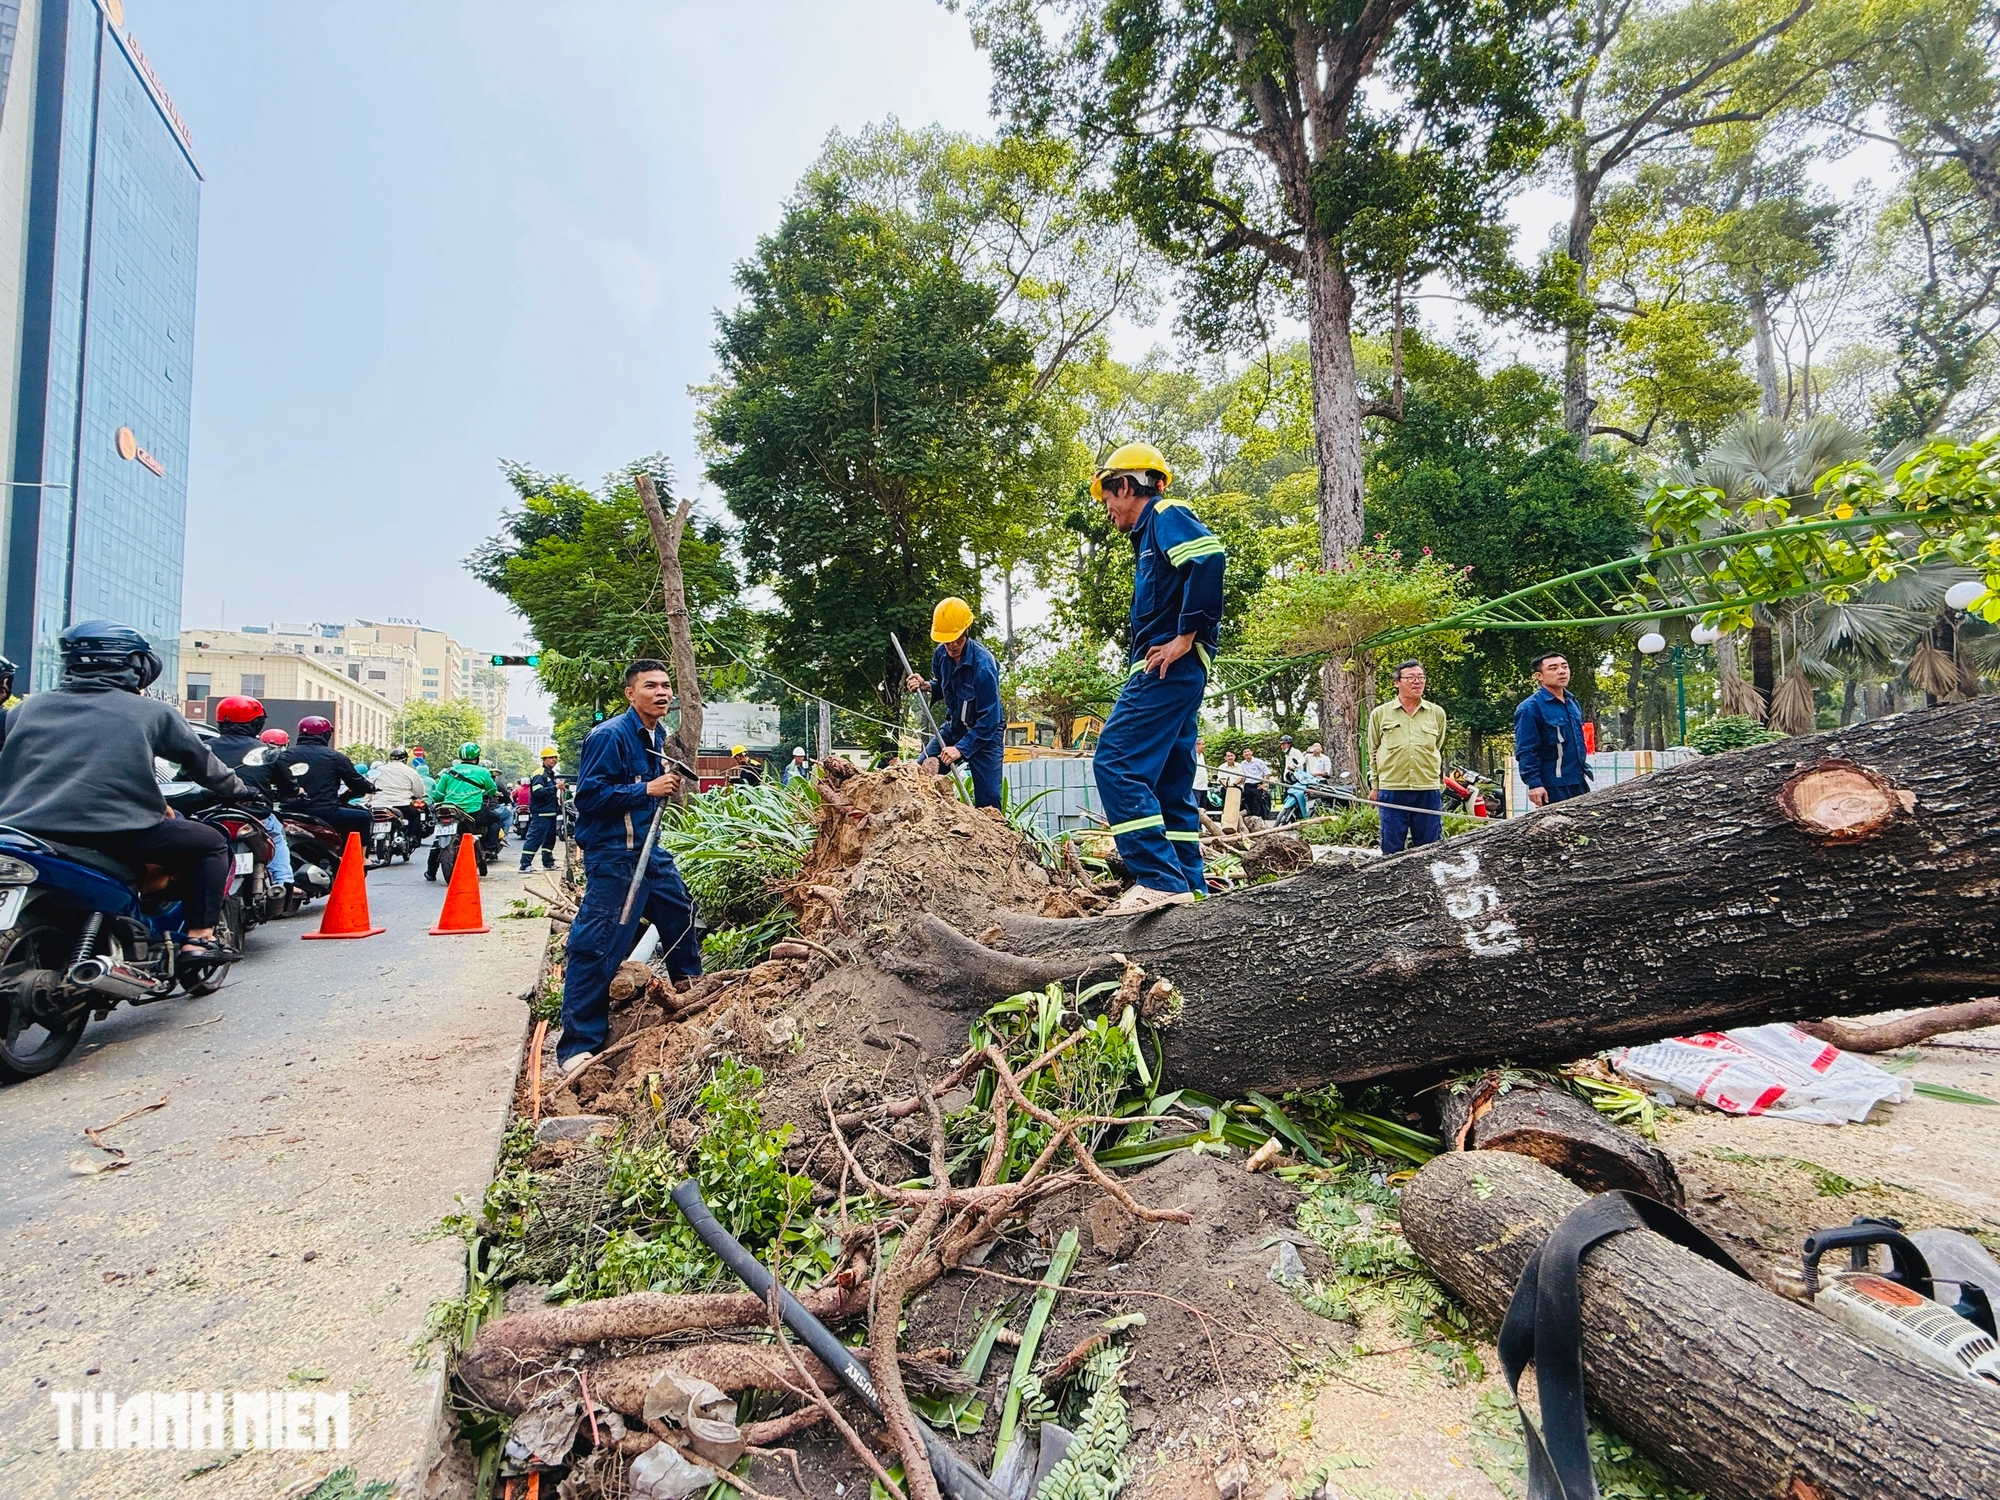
798 749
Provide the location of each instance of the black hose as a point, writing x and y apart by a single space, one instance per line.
957 1479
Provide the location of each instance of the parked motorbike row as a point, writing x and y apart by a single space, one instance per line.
81 933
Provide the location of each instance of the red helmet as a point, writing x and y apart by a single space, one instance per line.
239 711
275 737
313 727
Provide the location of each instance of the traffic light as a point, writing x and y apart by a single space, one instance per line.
500 660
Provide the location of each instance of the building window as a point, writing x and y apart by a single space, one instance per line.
198 685
378 676
253 685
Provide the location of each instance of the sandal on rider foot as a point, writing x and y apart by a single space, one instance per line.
208 950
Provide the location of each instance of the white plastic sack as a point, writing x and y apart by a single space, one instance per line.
1764 1070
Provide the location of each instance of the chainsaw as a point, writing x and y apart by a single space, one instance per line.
1897 1307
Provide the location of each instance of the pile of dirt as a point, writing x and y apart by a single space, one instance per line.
1217 1326
896 842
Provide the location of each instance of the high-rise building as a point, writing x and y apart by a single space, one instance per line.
100 198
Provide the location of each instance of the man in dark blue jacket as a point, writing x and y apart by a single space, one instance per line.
965 686
1548 736
1144 766
544 813
623 775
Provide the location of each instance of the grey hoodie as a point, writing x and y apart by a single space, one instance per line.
79 759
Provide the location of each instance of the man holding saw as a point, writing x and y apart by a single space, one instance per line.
965 685
621 785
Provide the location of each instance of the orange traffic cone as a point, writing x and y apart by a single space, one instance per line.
461 897
346 913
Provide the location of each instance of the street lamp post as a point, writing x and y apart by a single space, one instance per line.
1652 643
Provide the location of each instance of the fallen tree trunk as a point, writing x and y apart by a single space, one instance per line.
1835 874
1730 1388
1561 1132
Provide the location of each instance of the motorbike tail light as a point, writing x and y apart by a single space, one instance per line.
236 828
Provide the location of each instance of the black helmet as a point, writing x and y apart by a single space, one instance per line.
104 650
7 670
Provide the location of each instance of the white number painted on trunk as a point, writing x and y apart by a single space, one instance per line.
1467 899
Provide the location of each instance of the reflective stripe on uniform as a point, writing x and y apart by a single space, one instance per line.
1201 546
1137 825
1160 505
1175 836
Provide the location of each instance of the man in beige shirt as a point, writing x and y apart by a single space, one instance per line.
1406 763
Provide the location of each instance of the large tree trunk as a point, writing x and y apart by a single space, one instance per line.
1734 1391
686 742
1337 446
1771 399
1774 882
1577 404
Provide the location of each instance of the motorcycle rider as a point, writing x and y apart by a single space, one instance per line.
242 747
469 787
7 698
78 768
403 791
329 779
544 813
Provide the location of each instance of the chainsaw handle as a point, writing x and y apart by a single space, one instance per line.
1908 1266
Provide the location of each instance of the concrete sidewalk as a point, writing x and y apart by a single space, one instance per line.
325 1109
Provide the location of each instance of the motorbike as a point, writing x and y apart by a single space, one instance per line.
81 933
389 840
257 897
1466 791
453 823
315 852
1306 797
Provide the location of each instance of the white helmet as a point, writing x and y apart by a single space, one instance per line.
798 750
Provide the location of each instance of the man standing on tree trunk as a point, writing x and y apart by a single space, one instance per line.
622 775
1406 763
1548 736
1145 753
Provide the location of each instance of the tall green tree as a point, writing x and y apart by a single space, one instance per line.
869 397
1480 474
580 568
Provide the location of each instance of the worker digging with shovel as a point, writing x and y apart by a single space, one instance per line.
1145 752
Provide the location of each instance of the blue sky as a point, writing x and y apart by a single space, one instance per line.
435 234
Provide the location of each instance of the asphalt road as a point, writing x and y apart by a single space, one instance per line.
324 1109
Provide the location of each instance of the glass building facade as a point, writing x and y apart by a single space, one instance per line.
103 340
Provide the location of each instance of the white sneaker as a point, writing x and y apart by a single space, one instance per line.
1145 898
577 1064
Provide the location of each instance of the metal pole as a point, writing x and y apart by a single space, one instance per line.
1681 690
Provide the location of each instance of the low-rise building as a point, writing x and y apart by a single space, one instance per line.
219 664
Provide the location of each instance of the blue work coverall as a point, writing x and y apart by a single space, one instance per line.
544 812
1548 745
613 813
1145 753
967 693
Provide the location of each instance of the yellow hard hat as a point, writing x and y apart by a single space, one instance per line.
951 619
739 750
1129 459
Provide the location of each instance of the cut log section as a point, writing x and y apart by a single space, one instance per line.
1559 1130
1688 900
1734 1391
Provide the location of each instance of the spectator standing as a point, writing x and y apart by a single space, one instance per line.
1201 773
1406 763
1256 786
1548 736
1319 765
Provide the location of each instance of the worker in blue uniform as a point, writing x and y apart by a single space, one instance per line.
965 685
621 778
1145 763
